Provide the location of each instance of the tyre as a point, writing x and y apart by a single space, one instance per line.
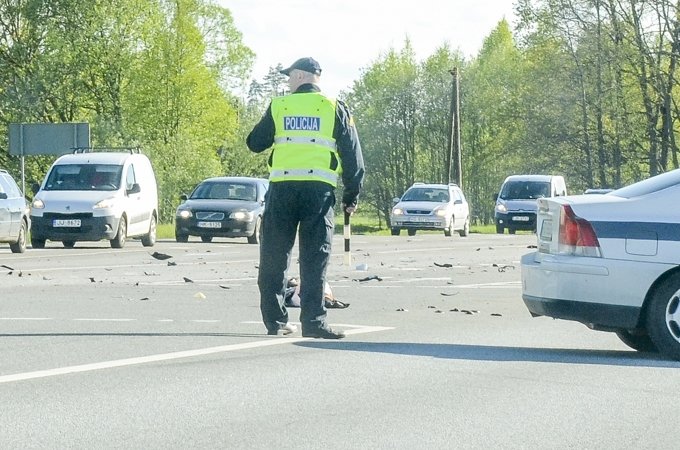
69 244
179 237
663 316
466 228
499 229
637 340
37 242
149 239
411 232
20 245
206 239
395 231
511 231
121 235
255 237
449 230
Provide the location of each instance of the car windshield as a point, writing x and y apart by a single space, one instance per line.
426 195
221 190
525 190
84 177
653 184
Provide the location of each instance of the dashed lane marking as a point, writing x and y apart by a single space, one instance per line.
175 355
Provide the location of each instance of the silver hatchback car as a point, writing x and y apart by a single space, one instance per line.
431 207
14 214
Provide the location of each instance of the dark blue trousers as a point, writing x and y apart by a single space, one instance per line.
303 208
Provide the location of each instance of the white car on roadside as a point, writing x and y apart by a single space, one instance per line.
612 262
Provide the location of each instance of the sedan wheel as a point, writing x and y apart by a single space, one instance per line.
206 238
663 316
637 340
20 245
255 237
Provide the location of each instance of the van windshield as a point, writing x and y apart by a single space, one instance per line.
525 190
84 177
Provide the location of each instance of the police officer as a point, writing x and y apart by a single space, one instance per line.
314 142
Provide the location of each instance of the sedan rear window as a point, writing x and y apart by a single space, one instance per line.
654 184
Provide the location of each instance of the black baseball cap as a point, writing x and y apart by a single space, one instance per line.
308 64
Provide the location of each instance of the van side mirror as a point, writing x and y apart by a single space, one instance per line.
495 196
135 189
35 187
3 195
183 197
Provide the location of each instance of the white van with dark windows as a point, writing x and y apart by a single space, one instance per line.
516 201
91 196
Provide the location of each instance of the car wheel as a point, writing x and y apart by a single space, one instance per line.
511 231
255 237
637 340
663 316
181 237
37 243
449 230
69 244
466 228
411 232
20 245
395 231
121 235
206 238
149 239
499 229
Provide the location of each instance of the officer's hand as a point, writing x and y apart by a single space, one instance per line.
349 209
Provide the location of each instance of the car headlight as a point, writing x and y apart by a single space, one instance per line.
104 204
440 212
184 213
241 215
501 208
37 204
398 211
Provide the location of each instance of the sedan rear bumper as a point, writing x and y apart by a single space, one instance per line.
601 293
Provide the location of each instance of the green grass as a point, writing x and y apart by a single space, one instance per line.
361 224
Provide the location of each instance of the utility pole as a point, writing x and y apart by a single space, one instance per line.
454 163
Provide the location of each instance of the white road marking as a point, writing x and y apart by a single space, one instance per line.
84 319
171 356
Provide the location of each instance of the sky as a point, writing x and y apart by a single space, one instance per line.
349 35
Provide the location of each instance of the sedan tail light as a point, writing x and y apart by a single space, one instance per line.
577 236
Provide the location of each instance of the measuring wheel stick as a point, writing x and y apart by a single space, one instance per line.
347 233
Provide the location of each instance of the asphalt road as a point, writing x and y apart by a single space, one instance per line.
103 348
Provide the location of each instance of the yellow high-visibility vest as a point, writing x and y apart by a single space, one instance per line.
304 148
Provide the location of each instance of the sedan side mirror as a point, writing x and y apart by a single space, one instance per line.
395 200
183 197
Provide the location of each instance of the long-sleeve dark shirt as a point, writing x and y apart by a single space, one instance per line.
346 140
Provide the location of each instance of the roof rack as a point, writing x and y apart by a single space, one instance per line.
131 150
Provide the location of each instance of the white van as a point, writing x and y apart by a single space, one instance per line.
92 196
516 201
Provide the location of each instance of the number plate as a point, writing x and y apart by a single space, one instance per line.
209 225
520 218
546 230
66 223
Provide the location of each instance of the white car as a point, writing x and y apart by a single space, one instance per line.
612 262
431 207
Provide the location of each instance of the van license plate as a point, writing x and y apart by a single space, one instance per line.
66 223
520 218
209 225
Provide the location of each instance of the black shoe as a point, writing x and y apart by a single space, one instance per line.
323 333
